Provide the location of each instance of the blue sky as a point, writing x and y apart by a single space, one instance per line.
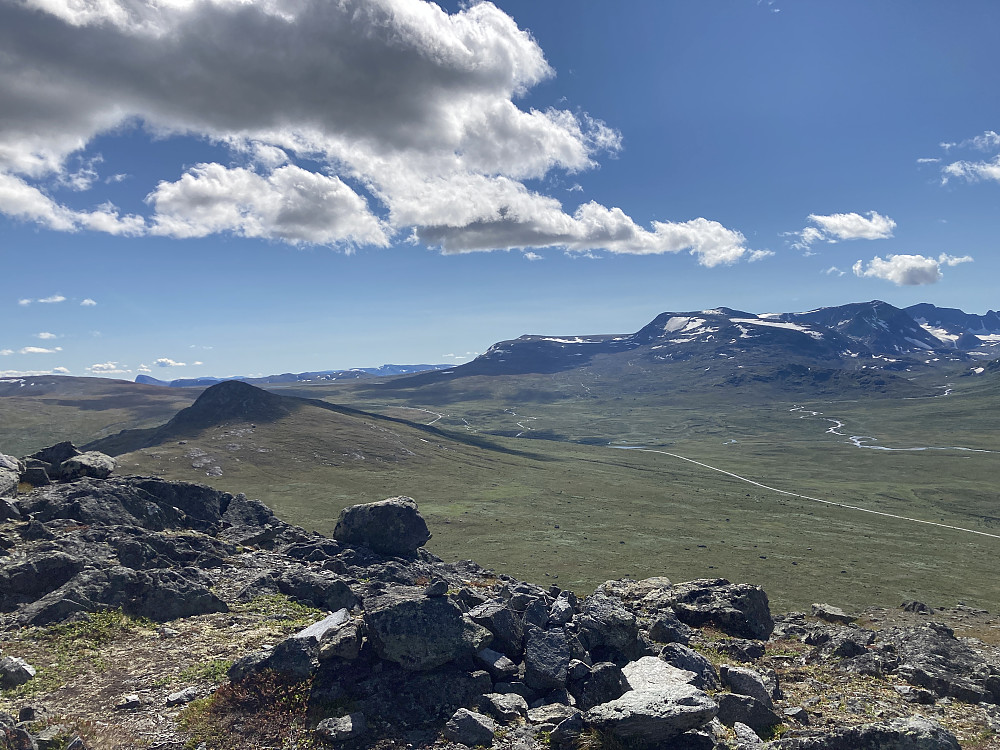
216 188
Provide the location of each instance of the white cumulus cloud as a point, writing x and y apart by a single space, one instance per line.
838 227
88 302
908 270
166 362
38 350
53 300
350 123
108 368
46 335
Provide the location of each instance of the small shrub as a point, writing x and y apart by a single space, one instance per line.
267 709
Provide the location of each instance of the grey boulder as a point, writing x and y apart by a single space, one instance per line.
661 706
90 464
737 609
470 728
419 632
389 527
14 672
342 728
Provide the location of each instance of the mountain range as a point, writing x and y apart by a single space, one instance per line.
860 336
356 373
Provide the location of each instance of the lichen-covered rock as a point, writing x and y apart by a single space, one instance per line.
14 671
746 681
916 733
90 464
604 682
10 476
470 728
389 527
342 728
746 710
738 609
419 632
506 625
661 706
546 659
829 613
931 657
682 657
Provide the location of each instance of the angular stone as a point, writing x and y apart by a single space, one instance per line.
742 708
546 659
667 628
389 527
931 657
567 731
605 682
738 609
560 612
418 632
746 738
654 714
504 707
686 658
608 630
14 671
8 487
550 715
342 643
469 728
499 666
181 697
506 625
342 728
746 681
915 733
90 464
829 613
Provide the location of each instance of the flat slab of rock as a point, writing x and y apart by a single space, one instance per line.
832 614
916 733
389 527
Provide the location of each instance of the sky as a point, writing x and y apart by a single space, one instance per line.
247 187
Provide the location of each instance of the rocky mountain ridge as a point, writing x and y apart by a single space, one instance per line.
355 373
870 335
394 647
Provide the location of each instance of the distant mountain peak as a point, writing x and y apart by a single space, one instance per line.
233 401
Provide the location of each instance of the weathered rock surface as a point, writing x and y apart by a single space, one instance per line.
14 671
470 728
906 734
739 609
661 706
389 527
342 728
832 614
419 632
89 464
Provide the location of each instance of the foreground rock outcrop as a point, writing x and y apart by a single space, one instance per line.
405 648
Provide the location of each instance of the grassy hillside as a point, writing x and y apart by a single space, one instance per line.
40 411
562 502
578 514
